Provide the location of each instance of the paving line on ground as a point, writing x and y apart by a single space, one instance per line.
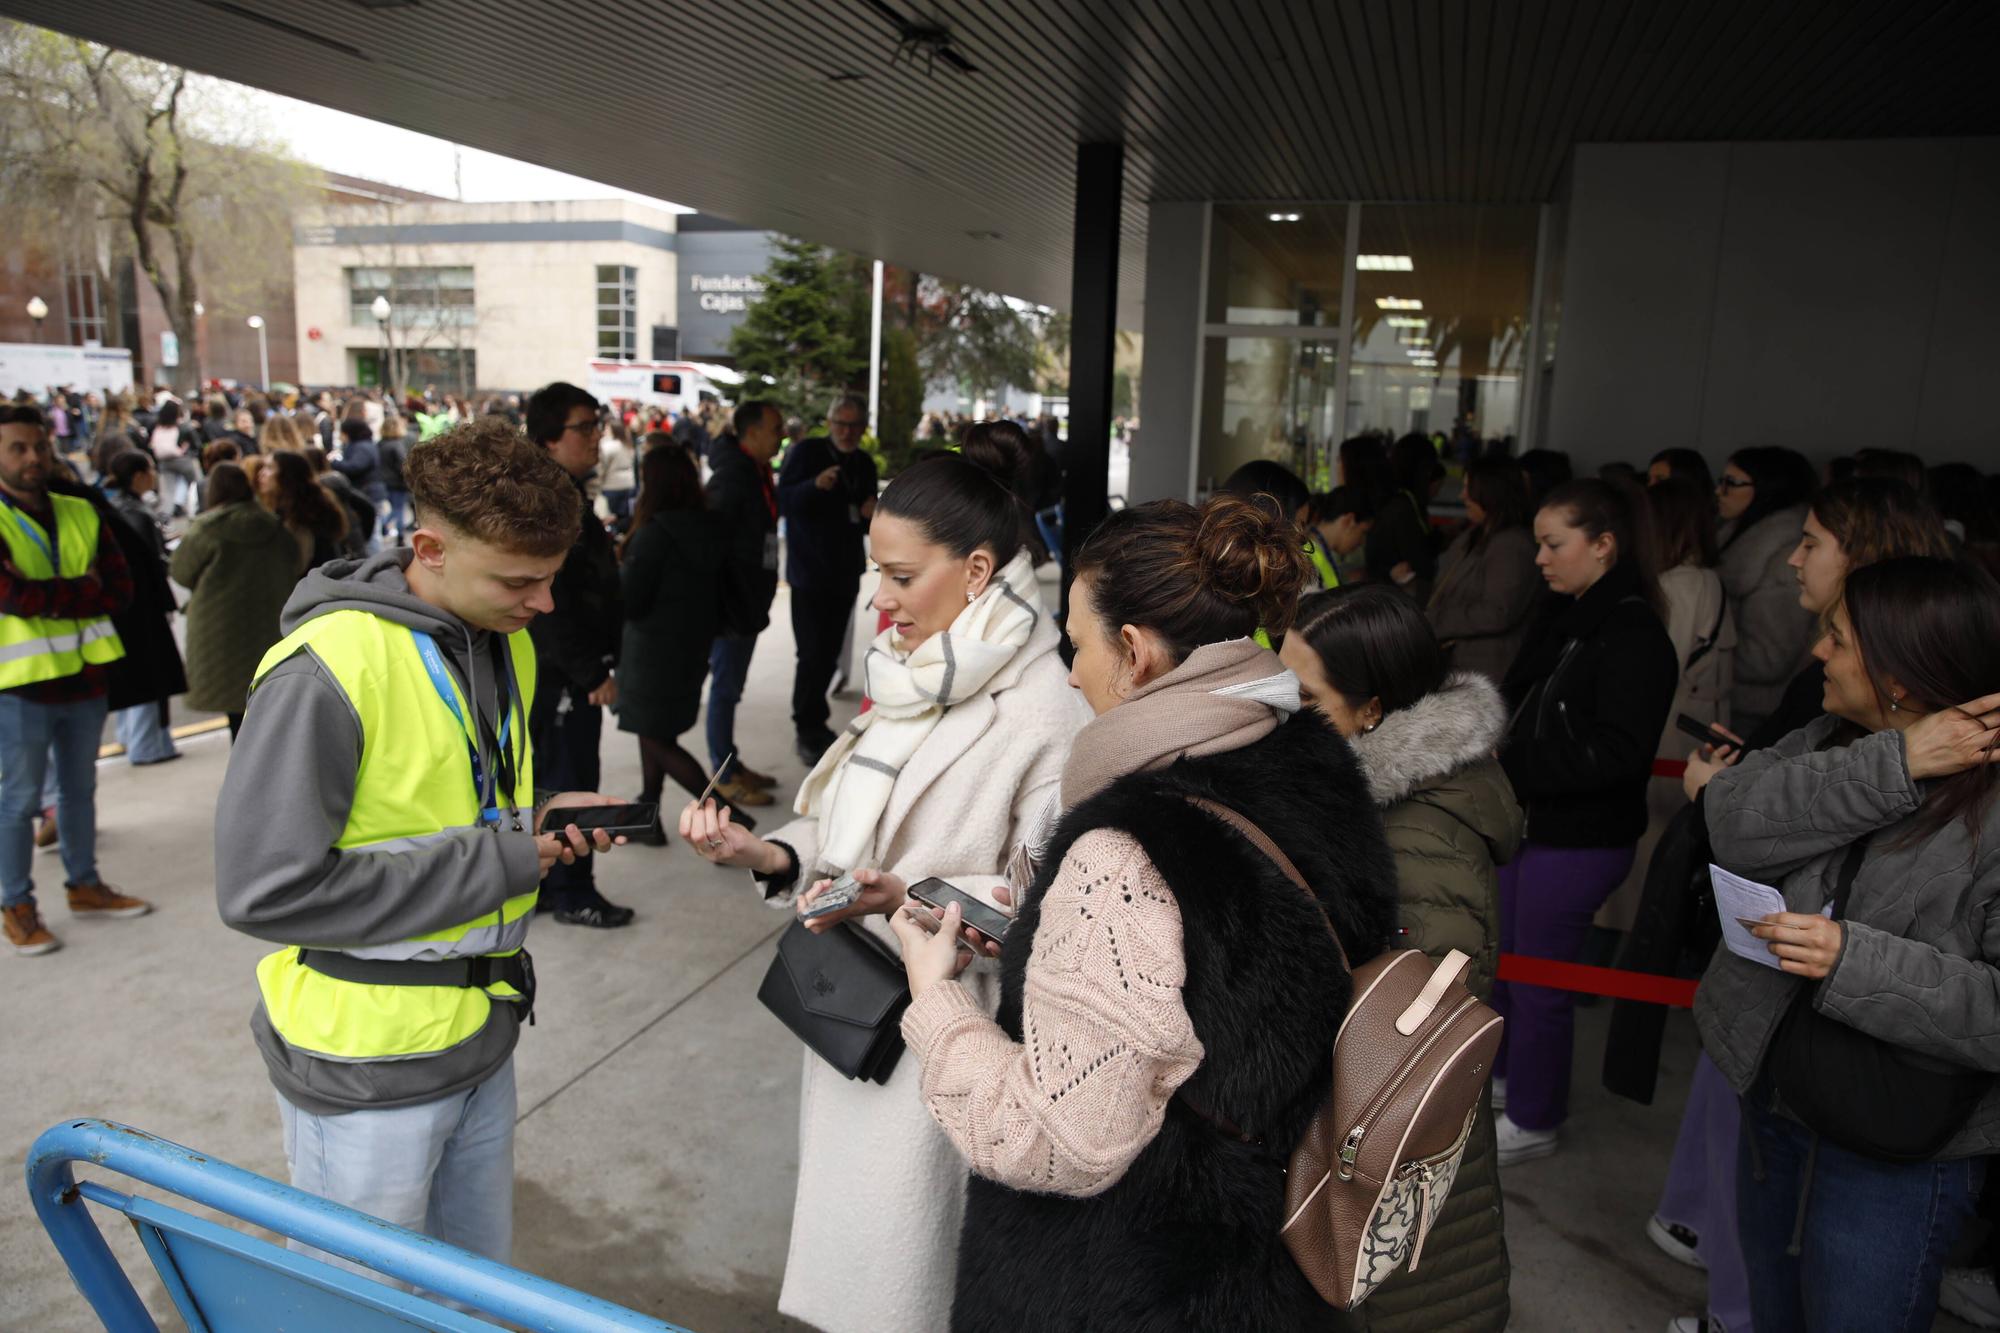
649 1025
183 733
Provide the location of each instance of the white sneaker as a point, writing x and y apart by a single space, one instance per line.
1687 1323
1675 1241
1500 1093
1970 1294
1522 1145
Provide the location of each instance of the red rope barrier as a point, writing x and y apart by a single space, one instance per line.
1646 987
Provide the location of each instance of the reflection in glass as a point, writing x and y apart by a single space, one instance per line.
1439 345
1266 398
1270 265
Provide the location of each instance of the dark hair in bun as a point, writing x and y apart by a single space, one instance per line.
1196 575
965 501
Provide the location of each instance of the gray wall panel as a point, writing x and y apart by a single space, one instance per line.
1645 226
1826 296
1160 463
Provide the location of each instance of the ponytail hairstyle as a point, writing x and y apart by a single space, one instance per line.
1196 576
965 501
1372 642
1933 626
1598 506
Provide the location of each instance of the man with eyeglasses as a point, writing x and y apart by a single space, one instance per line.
576 648
826 492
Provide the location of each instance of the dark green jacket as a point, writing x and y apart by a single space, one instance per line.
1451 817
240 563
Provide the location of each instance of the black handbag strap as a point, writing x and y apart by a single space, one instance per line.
1850 867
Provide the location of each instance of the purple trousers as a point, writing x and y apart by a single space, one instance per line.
1701 1191
1548 896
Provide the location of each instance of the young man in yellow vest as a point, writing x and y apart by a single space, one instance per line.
62 579
379 820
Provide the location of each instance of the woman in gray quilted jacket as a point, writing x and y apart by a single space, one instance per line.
1861 1162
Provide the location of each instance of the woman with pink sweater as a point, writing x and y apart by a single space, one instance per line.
1163 984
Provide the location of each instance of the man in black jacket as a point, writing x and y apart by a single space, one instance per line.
827 495
576 647
741 487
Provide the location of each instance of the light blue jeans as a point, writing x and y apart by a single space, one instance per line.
144 734
445 1168
34 738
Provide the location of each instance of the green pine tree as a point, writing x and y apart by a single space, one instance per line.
805 338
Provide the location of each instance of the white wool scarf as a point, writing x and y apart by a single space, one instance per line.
849 788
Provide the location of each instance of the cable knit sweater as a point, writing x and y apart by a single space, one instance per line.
1106 1040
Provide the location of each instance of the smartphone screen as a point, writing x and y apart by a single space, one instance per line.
988 921
637 817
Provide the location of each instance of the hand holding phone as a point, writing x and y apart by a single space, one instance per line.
1703 732
631 818
987 922
841 893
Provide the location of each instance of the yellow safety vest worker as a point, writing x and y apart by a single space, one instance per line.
415 785
33 648
1327 577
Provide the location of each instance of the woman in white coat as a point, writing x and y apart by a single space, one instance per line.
962 748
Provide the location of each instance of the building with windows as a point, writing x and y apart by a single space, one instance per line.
511 295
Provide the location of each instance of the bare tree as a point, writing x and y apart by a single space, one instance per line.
89 133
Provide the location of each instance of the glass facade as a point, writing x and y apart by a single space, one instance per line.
1324 321
419 297
618 312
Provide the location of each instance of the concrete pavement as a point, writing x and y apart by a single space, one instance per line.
658 1101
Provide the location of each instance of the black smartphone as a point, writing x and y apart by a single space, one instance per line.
630 819
988 921
1704 733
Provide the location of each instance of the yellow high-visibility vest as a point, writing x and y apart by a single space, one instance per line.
414 786
35 648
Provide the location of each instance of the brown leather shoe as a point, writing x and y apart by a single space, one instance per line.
26 932
750 776
100 899
46 835
738 792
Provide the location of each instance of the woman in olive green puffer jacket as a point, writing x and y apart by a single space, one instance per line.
1366 657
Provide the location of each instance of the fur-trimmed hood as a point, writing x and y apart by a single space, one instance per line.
1450 729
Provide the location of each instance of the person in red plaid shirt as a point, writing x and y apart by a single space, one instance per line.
62 578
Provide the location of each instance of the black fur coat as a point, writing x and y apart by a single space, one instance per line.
1188 1238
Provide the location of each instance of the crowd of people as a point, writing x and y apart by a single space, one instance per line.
1469 735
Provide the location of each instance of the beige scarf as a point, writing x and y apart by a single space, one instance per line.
1223 697
849 788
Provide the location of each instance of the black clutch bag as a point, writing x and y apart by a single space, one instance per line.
843 994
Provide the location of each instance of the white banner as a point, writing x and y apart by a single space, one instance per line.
39 367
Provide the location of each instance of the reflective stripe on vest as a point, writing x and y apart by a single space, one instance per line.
413 789
35 648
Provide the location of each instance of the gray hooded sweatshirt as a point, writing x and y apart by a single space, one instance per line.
284 802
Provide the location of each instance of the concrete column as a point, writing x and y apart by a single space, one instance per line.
1170 390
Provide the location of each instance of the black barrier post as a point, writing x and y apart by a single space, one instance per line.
1093 310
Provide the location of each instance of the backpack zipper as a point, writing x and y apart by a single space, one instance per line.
1351 1148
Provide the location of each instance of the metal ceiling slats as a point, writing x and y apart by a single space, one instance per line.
1323 142
724 104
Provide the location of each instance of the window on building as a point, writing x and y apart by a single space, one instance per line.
419 297
618 312
88 321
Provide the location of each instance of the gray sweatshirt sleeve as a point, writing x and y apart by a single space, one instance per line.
284 802
1782 807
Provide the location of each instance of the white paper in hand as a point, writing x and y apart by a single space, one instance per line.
1737 897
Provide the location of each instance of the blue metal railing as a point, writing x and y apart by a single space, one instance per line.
223 1279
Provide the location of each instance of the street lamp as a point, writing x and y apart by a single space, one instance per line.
38 310
263 353
380 309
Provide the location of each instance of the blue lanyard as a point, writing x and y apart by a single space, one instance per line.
441 681
34 533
